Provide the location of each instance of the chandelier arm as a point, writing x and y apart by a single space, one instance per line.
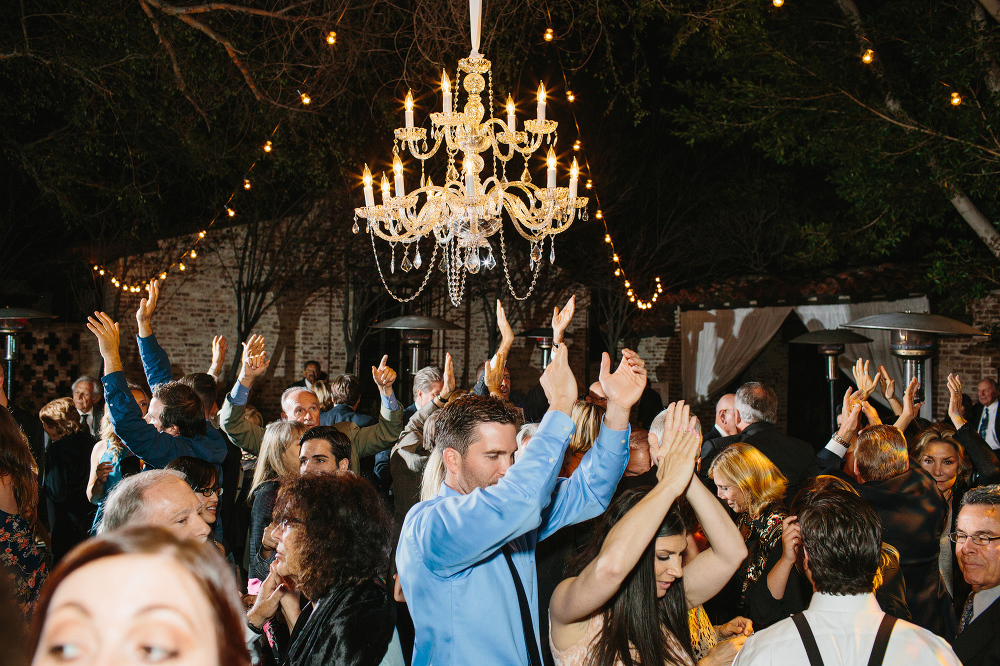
415 152
430 266
506 272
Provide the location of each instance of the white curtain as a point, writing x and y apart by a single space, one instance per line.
717 345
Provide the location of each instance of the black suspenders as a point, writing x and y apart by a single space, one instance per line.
812 650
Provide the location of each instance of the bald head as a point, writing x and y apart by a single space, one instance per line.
725 414
596 395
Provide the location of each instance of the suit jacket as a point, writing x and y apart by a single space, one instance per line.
714 433
977 415
341 413
792 456
979 643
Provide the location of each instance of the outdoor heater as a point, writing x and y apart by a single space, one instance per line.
416 332
831 343
12 322
543 338
915 338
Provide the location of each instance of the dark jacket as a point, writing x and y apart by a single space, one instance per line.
979 643
350 626
66 475
341 413
793 457
264 497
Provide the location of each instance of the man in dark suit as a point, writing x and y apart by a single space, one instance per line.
345 392
985 412
725 422
88 397
756 408
978 641
310 373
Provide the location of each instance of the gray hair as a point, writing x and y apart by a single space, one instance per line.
96 388
424 378
982 496
295 389
527 431
757 402
660 422
125 505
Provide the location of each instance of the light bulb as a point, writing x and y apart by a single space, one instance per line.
408 102
194 255
618 272
305 99
590 183
956 99
777 3
607 238
96 267
181 267
445 82
267 147
541 92
550 159
163 275
614 258
627 283
397 166
570 97
599 215
366 177
201 234
230 212
331 38
868 56
510 105
101 272
246 183
549 35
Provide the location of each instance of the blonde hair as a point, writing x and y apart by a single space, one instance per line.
61 416
587 417
753 473
945 435
253 415
433 477
880 453
322 392
278 436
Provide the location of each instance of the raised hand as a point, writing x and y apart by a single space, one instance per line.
678 450
887 383
866 384
870 413
623 387
955 401
910 407
219 348
851 416
448 385
384 376
506 332
144 315
254 361
108 336
560 320
558 381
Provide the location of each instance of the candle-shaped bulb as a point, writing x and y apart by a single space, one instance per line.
409 109
397 170
550 160
574 178
366 178
386 194
541 101
510 105
511 118
446 91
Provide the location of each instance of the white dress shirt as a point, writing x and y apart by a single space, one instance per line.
984 599
845 629
90 421
990 412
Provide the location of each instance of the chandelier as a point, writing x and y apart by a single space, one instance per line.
461 215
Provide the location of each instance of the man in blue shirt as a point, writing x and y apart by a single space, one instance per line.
175 422
457 552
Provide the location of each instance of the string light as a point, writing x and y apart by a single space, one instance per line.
590 184
956 99
549 35
577 145
777 3
191 251
331 38
306 100
570 97
607 238
868 56
599 215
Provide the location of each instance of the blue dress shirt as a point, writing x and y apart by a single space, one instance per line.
455 578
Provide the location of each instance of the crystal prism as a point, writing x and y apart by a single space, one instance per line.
417 261
472 261
536 253
355 228
405 264
552 252
489 263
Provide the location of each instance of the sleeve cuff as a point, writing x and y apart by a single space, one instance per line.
389 402
835 448
239 394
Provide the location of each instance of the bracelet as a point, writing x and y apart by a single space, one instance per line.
840 440
251 627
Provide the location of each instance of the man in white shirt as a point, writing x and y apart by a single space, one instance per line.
978 641
88 397
984 414
840 546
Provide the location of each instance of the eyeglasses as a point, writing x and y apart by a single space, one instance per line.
978 539
207 492
287 523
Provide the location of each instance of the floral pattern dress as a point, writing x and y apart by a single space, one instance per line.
25 565
762 535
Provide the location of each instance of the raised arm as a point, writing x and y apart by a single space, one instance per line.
709 571
493 375
888 385
219 347
455 532
910 407
245 435
380 436
99 473
155 362
576 599
983 458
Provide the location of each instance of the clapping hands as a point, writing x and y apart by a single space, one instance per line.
678 449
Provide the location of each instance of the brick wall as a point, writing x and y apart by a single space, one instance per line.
952 356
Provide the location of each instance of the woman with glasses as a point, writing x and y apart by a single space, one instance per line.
201 476
332 534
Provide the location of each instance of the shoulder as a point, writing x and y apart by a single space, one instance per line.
917 641
770 645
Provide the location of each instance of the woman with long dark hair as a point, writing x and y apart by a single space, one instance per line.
629 598
25 565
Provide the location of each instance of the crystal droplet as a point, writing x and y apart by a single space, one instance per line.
490 262
392 264
552 253
406 265
417 261
472 261
536 253
355 228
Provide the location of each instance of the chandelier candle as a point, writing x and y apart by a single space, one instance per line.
463 218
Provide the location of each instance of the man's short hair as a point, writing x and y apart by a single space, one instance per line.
880 453
205 386
125 504
316 363
182 408
982 496
842 535
757 402
658 424
458 421
340 444
96 388
424 378
345 390
60 415
295 389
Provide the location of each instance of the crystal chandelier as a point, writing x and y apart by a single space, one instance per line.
460 216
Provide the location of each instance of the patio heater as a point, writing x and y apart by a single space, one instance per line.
915 338
543 338
12 322
831 343
416 333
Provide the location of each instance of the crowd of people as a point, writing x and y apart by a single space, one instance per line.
546 526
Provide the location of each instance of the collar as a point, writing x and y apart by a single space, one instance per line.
844 603
89 412
984 599
447 491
